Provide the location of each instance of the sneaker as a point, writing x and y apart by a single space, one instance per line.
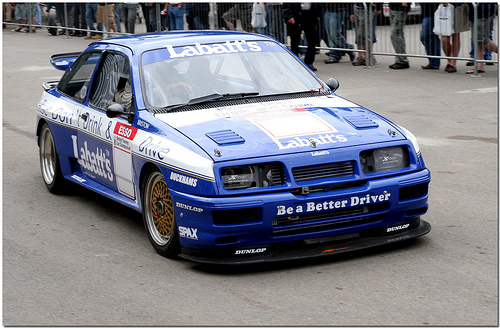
24 30
17 29
97 37
399 66
331 60
359 62
87 37
470 63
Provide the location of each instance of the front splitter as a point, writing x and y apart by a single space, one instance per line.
309 248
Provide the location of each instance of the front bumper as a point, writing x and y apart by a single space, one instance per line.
283 225
308 248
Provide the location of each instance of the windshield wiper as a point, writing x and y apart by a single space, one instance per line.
239 95
210 98
195 101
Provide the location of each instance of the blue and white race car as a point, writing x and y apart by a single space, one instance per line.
232 149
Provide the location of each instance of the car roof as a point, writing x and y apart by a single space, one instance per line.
139 43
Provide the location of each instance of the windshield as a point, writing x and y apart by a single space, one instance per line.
178 75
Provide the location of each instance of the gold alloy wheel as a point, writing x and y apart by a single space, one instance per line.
159 210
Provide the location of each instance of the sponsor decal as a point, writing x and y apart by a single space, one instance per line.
183 179
209 49
320 153
189 233
250 251
321 139
123 135
77 178
286 127
153 148
397 228
332 250
92 125
189 207
63 116
391 240
311 207
94 161
143 124
125 131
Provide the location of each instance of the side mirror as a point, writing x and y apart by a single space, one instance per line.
116 110
333 84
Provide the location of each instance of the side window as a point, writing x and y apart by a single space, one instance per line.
112 83
76 80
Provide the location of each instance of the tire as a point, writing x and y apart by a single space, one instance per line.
158 215
49 162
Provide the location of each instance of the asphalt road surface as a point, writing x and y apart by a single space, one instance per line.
82 260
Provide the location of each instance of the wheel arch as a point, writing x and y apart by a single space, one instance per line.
41 122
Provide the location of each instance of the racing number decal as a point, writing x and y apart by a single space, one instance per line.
122 153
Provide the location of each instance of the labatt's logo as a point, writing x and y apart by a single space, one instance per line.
93 161
209 49
322 139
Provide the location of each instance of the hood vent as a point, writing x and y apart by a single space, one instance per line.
225 137
361 122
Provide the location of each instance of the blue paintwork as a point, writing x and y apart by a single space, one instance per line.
197 194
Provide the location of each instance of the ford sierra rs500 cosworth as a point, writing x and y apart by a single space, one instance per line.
233 150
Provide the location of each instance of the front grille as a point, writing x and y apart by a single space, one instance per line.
327 225
290 225
322 171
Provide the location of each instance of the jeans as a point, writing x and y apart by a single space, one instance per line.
117 14
431 41
176 17
91 16
333 24
397 19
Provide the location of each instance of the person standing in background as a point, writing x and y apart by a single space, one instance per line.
130 15
430 40
365 40
334 16
302 17
485 13
397 16
175 12
451 44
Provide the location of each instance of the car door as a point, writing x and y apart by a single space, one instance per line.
105 143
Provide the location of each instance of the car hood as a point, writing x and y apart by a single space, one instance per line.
271 128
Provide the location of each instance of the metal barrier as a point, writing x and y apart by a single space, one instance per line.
153 17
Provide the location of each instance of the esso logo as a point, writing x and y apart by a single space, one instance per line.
125 131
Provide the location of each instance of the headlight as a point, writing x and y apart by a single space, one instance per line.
253 176
384 159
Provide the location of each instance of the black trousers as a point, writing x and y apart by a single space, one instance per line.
308 24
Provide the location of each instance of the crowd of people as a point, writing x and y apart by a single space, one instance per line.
307 24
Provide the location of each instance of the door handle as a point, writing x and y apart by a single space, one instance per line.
84 116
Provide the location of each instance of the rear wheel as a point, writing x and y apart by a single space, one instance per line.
158 215
49 162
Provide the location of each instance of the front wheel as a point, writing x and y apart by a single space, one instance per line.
158 215
49 162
